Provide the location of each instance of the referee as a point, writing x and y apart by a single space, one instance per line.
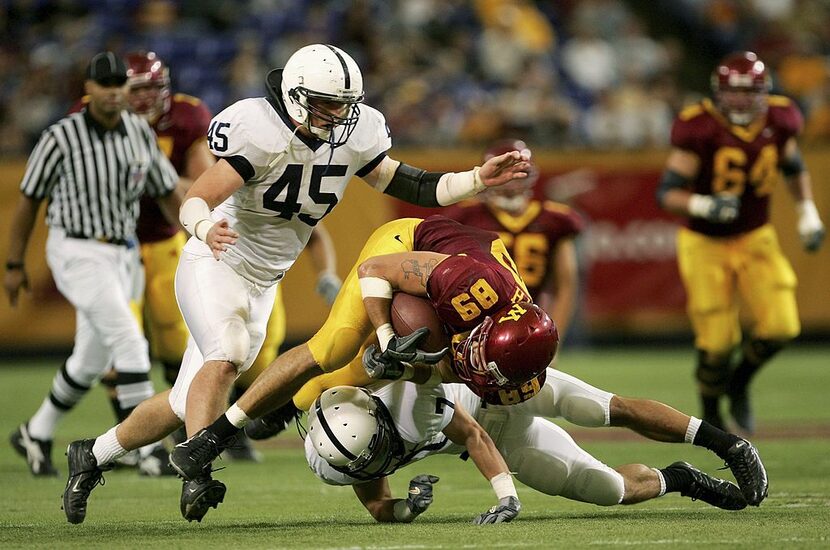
92 167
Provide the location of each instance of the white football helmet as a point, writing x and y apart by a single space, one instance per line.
354 433
324 73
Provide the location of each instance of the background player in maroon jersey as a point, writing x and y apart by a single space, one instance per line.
539 235
727 156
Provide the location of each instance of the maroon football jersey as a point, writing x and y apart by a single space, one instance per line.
743 161
530 238
478 278
178 129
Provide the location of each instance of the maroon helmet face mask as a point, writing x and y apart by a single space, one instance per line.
149 82
740 85
508 349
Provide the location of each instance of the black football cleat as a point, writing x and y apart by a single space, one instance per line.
200 495
37 452
84 476
741 410
743 460
242 450
192 459
711 490
272 423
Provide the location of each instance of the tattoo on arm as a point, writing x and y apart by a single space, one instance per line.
417 270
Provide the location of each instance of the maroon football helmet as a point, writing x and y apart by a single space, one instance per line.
509 348
149 81
514 196
740 84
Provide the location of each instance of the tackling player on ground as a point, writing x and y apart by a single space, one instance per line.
726 159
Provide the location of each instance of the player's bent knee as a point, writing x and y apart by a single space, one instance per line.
584 410
333 350
601 486
235 341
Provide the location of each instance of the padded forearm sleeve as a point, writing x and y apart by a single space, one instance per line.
670 180
414 185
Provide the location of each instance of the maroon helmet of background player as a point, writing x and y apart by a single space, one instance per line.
508 349
514 196
740 84
149 81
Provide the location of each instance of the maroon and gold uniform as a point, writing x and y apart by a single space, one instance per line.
719 259
738 160
530 237
477 278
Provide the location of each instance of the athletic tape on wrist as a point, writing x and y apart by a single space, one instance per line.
375 287
457 186
193 213
385 333
700 205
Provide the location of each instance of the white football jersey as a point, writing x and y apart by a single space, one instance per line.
292 182
420 413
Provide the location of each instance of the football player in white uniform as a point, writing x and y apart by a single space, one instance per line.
284 163
358 438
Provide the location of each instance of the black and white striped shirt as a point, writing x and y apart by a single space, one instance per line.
94 177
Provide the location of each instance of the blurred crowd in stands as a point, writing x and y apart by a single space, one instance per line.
559 73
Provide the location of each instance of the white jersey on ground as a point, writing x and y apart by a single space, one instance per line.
292 182
420 413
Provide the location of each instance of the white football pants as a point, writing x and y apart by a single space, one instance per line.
226 315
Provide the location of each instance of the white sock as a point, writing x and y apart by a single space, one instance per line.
42 424
662 482
107 448
691 429
145 451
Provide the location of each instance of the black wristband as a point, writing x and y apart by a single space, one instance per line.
14 265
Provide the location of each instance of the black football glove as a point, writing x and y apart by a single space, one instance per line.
405 349
505 511
379 367
724 209
420 493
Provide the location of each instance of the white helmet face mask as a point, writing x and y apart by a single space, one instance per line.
353 432
323 73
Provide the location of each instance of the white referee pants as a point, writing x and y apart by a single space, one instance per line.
226 316
99 280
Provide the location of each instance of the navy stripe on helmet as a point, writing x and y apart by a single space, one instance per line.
348 80
318 409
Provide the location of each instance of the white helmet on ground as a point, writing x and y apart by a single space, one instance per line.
353 432
324 73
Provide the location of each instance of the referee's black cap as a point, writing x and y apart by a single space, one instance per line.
107 69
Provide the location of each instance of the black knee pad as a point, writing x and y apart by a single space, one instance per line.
713 376
760 351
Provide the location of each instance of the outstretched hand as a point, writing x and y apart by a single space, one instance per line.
504 168
219 236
